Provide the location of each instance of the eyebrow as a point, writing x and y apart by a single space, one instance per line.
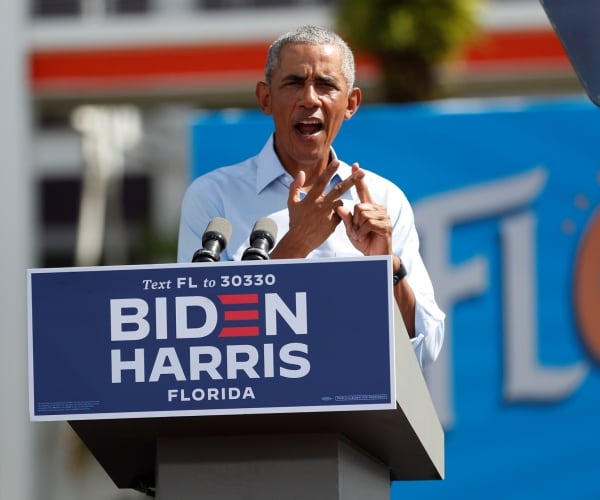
301 78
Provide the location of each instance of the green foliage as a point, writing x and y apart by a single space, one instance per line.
426 32
431 28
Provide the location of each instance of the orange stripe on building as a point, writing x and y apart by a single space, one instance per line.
504 46
193 64
146 61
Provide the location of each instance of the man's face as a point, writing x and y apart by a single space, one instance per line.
309 99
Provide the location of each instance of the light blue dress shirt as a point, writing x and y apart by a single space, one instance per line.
259 187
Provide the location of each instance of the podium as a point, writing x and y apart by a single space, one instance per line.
279 379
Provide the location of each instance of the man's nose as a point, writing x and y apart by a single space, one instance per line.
310 97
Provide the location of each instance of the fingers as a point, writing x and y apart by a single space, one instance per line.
345 215
370 217
362 190
347 218
332 200
323 180
296 187
341 187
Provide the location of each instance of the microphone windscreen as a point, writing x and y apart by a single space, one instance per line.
266 225
221 226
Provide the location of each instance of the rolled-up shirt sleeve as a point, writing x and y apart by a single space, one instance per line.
429 333
429 318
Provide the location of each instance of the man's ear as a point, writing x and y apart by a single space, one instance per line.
354 100
263 96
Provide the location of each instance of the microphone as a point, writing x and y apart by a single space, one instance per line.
214 240
262 239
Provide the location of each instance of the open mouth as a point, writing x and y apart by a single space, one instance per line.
309 127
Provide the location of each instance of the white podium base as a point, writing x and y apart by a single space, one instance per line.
314 466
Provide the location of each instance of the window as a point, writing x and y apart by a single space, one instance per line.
249 4
51 8
128 6
43 8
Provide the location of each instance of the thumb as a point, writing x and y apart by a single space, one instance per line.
346 217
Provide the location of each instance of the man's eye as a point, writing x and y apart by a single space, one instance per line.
327 85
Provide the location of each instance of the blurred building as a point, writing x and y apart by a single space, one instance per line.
165 59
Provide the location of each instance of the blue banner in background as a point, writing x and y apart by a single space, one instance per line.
506 196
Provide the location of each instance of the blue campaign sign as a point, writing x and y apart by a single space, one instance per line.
226 338
506 195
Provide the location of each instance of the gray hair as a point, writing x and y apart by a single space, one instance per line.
312 35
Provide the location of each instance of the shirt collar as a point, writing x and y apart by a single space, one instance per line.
269 168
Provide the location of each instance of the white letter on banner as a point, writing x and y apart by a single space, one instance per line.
436 217
273 305
117 365
234 365
166 363
525 378
181 317
118 319
161 318
286 356
268 361
210 366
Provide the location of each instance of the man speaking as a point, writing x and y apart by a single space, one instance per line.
322 207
